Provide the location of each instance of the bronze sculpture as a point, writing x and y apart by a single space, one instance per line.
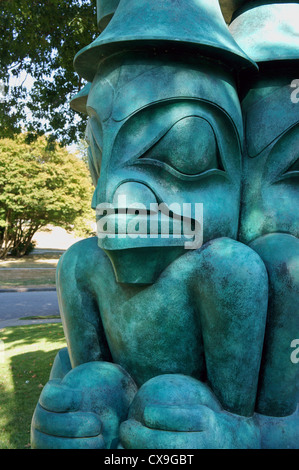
166 346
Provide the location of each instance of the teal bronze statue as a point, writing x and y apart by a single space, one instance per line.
269 217
179 315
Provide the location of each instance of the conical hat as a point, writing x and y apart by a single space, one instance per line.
105 11
107 8
194 24
268 31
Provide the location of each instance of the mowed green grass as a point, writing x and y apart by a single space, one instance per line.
26 357
10 278
18 272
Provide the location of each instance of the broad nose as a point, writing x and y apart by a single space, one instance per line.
132 193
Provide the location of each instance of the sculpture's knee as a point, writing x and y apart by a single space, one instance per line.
75 264
280 253
229 263
232 293
232 284
278 388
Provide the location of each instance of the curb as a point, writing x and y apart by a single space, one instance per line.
28 289
17 322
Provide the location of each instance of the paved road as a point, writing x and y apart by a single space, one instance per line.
14 305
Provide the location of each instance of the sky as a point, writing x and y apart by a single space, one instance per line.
26 80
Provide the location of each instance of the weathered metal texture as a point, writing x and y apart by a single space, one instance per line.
78 102
105 11
269 218
107 8
169 348
183 25
268 31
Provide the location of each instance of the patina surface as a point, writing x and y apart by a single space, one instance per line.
168 347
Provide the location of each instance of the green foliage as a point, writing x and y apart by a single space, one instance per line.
38 187
41 38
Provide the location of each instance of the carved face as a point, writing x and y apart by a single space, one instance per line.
165 132
271 167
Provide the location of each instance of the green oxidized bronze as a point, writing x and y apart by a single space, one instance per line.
269 217
171 347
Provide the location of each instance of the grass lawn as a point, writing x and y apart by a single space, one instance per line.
25 278
26 358
31 261
18 272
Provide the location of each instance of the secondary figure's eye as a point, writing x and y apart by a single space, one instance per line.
189 146
294 166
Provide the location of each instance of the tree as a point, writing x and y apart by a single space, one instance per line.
39 187
41 38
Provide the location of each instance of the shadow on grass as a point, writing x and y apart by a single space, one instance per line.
28 384
27 373
32 335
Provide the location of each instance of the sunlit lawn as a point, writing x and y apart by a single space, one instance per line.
18 272
25 278
25 365
30 261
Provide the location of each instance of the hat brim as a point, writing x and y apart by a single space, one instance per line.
87 60
268 33
182 26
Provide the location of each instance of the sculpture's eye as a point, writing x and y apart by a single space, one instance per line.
189 147
294 166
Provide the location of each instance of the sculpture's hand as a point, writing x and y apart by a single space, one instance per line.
84 409
58 422
180 412
189 427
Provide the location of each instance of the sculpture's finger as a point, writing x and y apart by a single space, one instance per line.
40 440
60 398
134 435
71 424
178 418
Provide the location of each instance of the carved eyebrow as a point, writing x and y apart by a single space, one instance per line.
157 138
283 156
295 163
158 129
290 172
194 85
259 134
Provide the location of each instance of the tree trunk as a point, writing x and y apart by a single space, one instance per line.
6 242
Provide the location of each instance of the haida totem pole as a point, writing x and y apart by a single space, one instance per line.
180 337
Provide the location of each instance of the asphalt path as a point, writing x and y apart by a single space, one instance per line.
16 305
